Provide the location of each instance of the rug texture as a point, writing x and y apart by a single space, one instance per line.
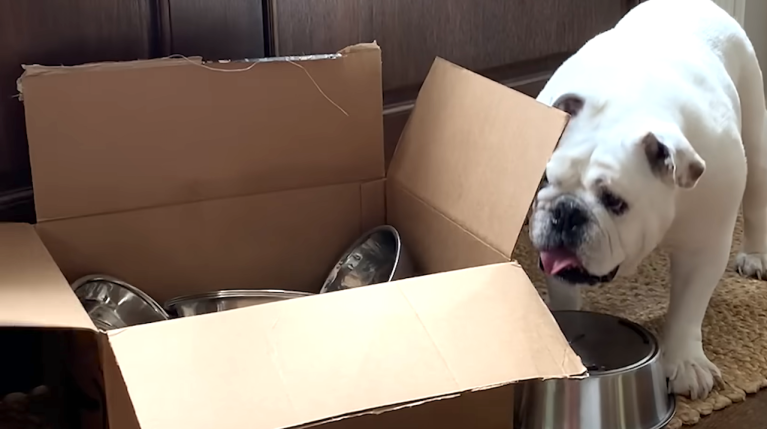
734 331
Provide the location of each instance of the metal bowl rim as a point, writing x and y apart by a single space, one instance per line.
646 361
235 293
82 281
361 239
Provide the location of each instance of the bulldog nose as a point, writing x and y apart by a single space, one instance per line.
568 216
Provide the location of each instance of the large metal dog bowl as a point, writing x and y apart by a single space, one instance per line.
213 302
626 387
378 256
112 303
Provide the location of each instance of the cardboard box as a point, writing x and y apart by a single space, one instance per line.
181 176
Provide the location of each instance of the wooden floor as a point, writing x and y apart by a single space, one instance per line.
751 414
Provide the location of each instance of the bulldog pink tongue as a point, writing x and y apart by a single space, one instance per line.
554 261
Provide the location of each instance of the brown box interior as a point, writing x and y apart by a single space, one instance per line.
203 178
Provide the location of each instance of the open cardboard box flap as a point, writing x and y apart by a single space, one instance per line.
459 187
338 355
474 151
33 292
185 131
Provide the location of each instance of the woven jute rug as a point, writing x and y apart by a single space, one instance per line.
734 331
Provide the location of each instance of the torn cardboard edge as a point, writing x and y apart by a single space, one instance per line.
287 58
217 155
32 70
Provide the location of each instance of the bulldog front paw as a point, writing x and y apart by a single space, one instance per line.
691 373
752 265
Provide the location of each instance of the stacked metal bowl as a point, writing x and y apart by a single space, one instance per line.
378 256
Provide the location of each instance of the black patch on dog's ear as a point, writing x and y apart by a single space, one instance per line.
571 104
682 169
658 155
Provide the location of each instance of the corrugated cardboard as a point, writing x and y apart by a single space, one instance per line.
181 176
222 134
459 119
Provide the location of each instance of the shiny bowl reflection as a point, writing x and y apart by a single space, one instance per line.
112 303
378 256
625 389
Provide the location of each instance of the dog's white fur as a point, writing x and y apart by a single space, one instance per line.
685 71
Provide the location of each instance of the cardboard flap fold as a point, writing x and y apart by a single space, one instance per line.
370 348
122 136
475 151
436 244
230 243
33 292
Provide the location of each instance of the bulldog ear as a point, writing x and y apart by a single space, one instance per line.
572 104
679 165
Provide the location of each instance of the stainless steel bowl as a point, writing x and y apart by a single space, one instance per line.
222 300
625 388
378 256
112 303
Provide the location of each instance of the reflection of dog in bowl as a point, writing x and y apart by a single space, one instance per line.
373 259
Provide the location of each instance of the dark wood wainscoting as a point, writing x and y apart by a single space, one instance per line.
517 42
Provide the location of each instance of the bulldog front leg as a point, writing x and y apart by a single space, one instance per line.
563 295
695 274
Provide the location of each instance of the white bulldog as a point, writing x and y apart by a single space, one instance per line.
665 110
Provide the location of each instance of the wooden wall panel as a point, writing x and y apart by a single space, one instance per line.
317 26
80 31
482 35
516 42
498 34
216 29
58 32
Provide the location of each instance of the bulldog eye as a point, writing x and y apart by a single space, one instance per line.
613 203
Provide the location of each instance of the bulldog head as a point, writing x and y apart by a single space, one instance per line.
608 196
